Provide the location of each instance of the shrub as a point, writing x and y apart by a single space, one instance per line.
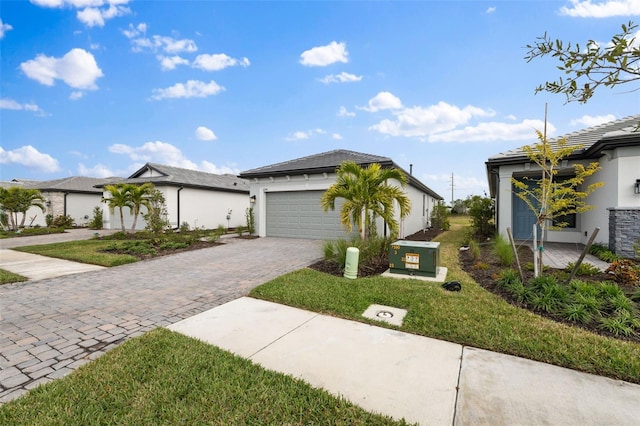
173 245
251 222
62 221
440 217
370 249
507 277
184 227
624 272
502 249
548 295
585 269
577 312
482 212
133 247
620 324
602 252
239 230
157 218
96 220
474 249
481 265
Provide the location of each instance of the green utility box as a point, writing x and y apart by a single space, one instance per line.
414 258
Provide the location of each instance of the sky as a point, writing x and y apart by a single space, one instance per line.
100 87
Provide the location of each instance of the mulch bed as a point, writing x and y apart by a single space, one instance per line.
487 268
378 265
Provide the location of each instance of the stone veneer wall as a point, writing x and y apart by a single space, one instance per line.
624 230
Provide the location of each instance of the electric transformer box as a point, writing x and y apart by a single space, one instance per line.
414 258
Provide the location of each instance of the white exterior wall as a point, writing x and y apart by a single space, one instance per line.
80 207
620 169
198 207
321 182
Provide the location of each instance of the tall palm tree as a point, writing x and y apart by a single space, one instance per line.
367 194
139 196
119 198
16 200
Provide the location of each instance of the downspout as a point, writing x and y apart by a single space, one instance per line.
65 204
178 215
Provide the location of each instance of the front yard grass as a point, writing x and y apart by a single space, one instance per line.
473 317
164 377
7 277
84 251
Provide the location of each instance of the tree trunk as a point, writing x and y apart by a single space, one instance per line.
135 220
124 231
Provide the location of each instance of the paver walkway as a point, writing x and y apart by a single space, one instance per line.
52 326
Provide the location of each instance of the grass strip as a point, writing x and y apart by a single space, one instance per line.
7 277
84 251
473 317
164 377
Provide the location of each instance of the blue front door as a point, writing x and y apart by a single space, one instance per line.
523 218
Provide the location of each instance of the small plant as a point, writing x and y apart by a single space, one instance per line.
62 221
221 230
481 265
502 249
440 217
336 251
96 220
251 222
602 252
577 312
239 230
625 272
184 227
620 324
585 269
474 249
157 218
507 277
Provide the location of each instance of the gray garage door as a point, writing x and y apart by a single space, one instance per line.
299 215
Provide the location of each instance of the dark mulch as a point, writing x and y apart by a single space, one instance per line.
194 246
376 266
487 268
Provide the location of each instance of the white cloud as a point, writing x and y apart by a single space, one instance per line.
30 157
301 135
336 136
321 56
165 153
606 9
77 68
165 43
491 9
427 121
132 32
7 103
205 134
493 131
590 121
4 28
94 46
99 171
342 112
171 62
343 77
74 96
217 62
190 89
383 100
92 12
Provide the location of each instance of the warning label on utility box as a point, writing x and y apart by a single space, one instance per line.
412 261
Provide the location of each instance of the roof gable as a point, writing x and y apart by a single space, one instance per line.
318 163
585 137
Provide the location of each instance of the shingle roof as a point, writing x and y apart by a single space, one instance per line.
328 162
176 176
585 137
73 184
318 163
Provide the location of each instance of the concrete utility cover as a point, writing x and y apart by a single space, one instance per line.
386 314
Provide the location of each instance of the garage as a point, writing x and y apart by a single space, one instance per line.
297 214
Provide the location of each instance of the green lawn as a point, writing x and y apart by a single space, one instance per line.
85 251
473 317
7 277
164 377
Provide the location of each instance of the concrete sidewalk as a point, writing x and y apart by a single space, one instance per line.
412 377
36 267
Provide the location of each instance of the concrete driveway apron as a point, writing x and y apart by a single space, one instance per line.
52 326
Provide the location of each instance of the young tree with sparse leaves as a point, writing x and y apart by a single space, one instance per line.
590 66
549 197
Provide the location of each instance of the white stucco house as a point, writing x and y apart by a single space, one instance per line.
75 196
286 197
201 199
616 147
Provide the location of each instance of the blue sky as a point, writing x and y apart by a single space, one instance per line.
98 88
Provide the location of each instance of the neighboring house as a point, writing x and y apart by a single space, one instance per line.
286 197
203 200
616 147
75 196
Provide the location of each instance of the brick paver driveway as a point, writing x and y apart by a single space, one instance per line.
50 327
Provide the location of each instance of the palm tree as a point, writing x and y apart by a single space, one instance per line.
367 194
119 198
139 196
16 200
